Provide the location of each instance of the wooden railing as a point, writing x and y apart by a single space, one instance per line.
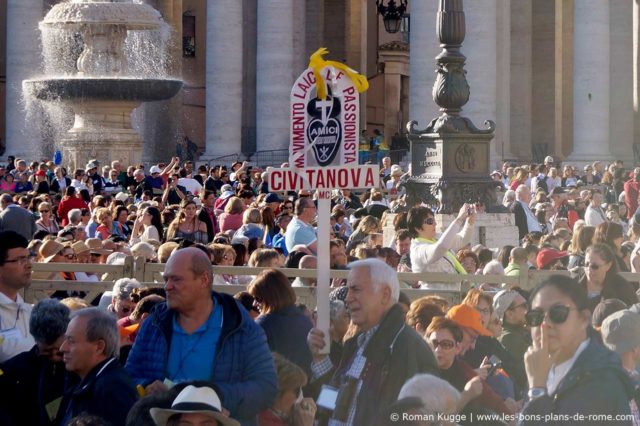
150 274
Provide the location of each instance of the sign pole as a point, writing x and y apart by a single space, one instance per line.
323 279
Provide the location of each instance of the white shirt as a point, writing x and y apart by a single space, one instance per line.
14 327
191 185
532 223
558 372
594 216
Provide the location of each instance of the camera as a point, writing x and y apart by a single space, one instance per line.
338 400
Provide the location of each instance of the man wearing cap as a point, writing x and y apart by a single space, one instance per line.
548 161
273 200
15 218
93 171
194 405
621 334
551 259
469 321
42 186
198 334
15 274
525 220
155 179
631 190
510 308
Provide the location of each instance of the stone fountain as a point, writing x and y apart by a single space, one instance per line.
101 89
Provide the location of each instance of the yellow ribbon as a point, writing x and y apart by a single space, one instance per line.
317 62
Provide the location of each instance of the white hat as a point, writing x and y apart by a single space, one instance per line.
122 196
202 400
396 170
502 302
548 159
155 169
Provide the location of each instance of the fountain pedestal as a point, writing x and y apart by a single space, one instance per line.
102 130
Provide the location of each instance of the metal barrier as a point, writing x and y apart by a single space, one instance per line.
150 274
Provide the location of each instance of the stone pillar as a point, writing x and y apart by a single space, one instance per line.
521 78
300 54
224 78
591 95
24 59
636 71
395 56
621 79
563 77
274 78
480 48
424 45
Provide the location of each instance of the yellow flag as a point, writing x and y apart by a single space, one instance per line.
317 63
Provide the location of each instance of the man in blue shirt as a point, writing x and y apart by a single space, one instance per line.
300 230
202 335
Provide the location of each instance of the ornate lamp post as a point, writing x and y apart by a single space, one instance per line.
392 14
450 158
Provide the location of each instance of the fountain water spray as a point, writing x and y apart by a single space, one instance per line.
102 59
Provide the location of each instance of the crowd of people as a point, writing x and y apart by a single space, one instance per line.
182 353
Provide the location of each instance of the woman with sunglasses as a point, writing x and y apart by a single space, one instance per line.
430 253
568 369
602 280
444 336
47 221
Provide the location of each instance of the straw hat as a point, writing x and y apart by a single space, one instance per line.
203 400
49 249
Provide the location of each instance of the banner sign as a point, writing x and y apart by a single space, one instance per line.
324 132
323 178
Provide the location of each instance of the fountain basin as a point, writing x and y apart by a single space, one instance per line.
111 89
75 15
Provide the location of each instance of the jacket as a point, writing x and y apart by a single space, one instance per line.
107 392
615 287
34 382
243 366
67 204
394 354
596 384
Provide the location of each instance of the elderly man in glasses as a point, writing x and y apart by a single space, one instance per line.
430 253
15 274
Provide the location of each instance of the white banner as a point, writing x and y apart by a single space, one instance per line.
323 178
324 132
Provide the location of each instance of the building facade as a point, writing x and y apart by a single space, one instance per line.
558 77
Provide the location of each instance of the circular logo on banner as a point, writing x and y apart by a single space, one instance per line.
324 130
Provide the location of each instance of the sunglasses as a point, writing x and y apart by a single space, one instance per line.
429 221
444 344
557 314
593 266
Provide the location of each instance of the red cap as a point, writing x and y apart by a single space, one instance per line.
548 255
41 173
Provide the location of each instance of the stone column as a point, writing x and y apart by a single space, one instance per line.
224 78
483 68
273 81
636 71
24 59
563 77
591 95
424 46
395 57
162 120
521 78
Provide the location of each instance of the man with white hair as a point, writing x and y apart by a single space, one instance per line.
381 357
525 219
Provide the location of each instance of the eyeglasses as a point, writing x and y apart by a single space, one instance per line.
486 311
521 305
444 344
593 266
22 259
429 221
557 314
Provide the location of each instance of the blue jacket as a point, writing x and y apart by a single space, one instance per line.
243 365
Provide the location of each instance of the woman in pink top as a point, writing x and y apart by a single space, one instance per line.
8 185
231 219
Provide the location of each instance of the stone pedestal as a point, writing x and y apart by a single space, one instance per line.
102 130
